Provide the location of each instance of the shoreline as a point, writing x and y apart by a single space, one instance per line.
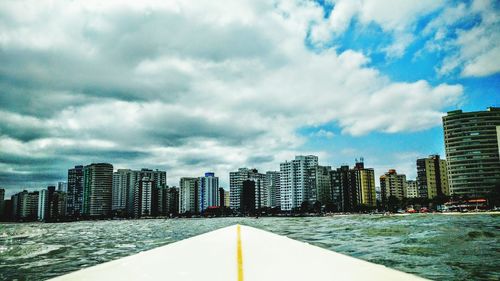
304 216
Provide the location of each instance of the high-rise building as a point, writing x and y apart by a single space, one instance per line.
411 189
167 201
352 188
272 185
32 208
19 202
121 183
124 184
472 151
51 204
208 191
158 177
144 198
7 210
188 195
62 186
25 205
365 185
342 187
247 202
58 205
172 203
294 181
320 185
43 204
236 180
226 198
393 184
75 191
222 200
432 179
2 204
97 189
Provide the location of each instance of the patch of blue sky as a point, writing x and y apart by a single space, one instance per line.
480 93
327 7
367 39
409 68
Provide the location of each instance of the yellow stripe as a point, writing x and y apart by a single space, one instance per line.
239 253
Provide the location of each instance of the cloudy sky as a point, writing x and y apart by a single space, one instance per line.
195 86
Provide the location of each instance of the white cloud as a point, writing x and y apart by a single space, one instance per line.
322 133
472 51
484 64
400 107
193 87
397 18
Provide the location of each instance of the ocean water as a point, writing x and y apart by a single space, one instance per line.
435 246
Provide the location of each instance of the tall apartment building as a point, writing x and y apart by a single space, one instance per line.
121 183
272 186
432 179
222 200
320 185
236 180
124 185
393 184
145 198
172 207
2 204
51 204
97 189
18 201
295 184
472 151
166 201
62 186
74 207
354 187
226 198
365 185
158 177
188 195
25 205
411 189
43 203
340 179
247 202
208 191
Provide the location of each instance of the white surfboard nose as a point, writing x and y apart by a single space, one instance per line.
238 253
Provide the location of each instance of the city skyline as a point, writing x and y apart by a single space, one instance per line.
117 171
472 176
190 88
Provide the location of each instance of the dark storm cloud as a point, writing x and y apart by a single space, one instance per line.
177 130
260 159
136 36
103 155
102 64
23 133
201 160
26 160
39 171
15 182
